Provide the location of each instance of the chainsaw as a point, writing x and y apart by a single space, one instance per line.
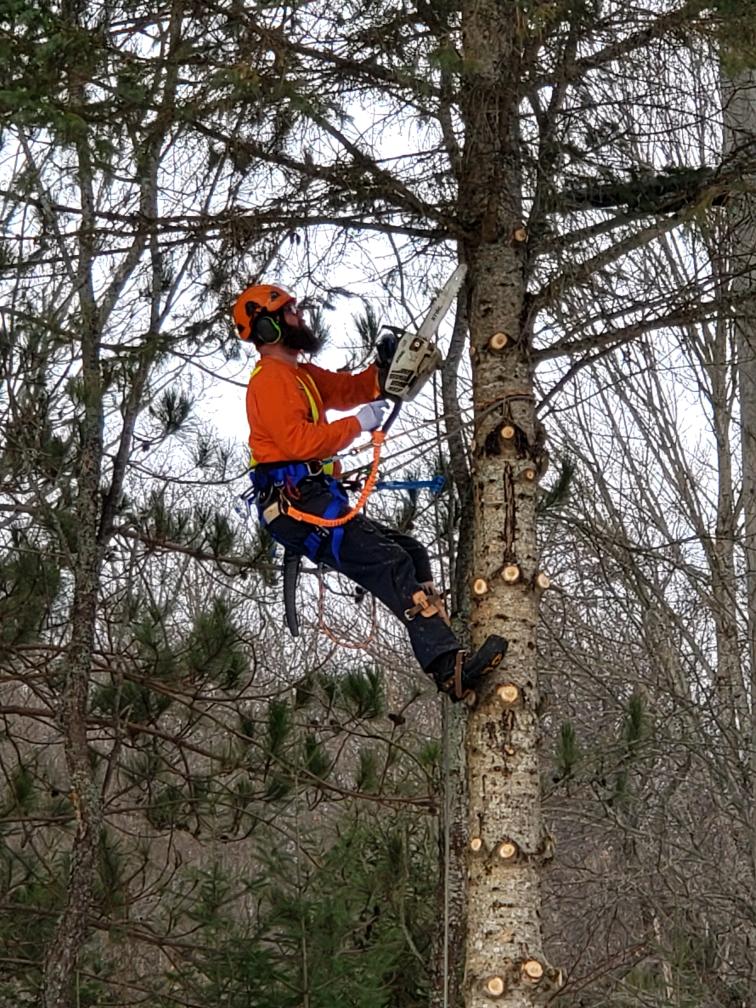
416 356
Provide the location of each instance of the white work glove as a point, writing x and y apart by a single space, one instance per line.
370 416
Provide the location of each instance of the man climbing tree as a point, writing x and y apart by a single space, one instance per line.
293 474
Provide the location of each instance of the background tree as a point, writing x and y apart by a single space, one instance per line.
175 153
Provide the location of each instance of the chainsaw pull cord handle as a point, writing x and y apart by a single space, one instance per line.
377 438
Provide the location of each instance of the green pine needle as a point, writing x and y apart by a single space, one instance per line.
278 787
279 725
635 728
172 410
362 693
568 751
22 797
315 758
368 327
366 778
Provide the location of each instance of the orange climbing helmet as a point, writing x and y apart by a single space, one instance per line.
256 301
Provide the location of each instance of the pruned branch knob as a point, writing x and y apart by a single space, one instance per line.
511 574
495 986
532 970
508 693
508 850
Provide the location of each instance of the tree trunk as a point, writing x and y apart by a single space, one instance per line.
450 935
504 956
73 927
739 103
449 957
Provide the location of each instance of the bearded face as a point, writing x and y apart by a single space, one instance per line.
297 335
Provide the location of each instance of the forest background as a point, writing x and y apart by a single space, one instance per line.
196 809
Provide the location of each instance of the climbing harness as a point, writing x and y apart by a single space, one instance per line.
377 438
277 483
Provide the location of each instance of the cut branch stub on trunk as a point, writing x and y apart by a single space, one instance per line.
532 970
507 437
529 471
528 973
508 851
542 581
511 574
509 694
498 342
495 986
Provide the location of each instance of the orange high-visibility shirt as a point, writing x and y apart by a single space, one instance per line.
286 406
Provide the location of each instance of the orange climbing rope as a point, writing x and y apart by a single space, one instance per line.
331 633
378 437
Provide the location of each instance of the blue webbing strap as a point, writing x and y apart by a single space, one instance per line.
435 485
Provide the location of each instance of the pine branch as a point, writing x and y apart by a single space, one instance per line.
669 191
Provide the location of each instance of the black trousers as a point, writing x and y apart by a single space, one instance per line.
389 564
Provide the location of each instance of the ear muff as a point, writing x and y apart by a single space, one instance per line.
266 330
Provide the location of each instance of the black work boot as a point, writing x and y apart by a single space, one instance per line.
459 674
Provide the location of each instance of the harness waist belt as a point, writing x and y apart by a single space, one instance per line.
268 467
287 475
